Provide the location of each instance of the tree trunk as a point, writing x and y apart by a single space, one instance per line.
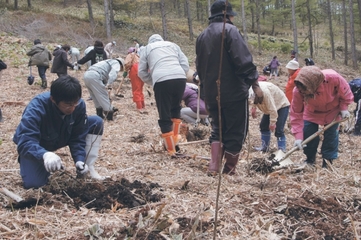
352 36
310 35
16 5
359 9
244 23
107 19
90 12
258 28
29 3
164 20
344 14
294 26
331 30
189 17
111 15
209 8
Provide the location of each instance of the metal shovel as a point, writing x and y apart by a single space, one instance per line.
281 159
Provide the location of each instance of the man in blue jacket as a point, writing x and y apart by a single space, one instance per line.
52 121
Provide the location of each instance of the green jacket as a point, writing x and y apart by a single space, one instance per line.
39 56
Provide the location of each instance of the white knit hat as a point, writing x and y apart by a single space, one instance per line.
293 65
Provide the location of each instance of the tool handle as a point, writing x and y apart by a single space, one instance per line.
198 103
310 138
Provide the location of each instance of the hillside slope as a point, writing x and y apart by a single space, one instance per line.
169 198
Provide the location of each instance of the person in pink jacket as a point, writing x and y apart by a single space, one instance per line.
319 97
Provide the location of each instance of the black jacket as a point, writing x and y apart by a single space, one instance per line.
60 62
96 55
238 70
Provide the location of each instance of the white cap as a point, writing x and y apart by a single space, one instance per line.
293 65
114 43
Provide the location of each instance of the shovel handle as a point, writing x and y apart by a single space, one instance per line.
310 138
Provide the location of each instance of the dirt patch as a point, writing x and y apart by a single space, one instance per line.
104 195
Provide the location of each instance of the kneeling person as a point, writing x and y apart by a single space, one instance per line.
52 121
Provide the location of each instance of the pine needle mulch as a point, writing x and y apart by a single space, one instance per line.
151 196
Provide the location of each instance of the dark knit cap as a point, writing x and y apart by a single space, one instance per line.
37 41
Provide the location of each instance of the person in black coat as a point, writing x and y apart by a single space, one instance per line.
61 62
95 55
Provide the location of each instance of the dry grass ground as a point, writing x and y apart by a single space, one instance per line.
286 204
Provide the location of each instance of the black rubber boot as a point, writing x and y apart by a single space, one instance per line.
311 160
44 83
100 112
109 115
357 130
325 162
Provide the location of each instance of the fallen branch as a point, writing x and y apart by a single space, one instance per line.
193 142
11 194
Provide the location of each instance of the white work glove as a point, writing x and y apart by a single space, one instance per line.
298 144
52 162
345 114
76 67
81 167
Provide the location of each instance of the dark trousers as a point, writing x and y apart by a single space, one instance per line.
41 71
280 124
329 148
32 170
357 113
234 118
168 96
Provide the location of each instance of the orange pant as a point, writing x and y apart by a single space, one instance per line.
137 86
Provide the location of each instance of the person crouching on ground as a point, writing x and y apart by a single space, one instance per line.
52 121
318 98
275 108
131 63
190 98
98 78
164 65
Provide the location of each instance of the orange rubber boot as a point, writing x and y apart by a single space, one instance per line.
168 139
176 127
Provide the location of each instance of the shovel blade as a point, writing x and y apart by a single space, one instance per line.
282 162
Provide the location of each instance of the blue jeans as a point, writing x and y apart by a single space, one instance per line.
280 124
329 148
41 71
32 170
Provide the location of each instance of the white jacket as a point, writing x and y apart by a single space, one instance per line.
161 61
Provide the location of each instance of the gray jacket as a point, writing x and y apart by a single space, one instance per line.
161 60
107 69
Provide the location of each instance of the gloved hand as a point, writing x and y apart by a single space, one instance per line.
81 167
75 66
298 143
52 162
258 98
125 74
254 112
345 114
272 127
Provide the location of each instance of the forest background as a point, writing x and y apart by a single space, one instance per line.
284 204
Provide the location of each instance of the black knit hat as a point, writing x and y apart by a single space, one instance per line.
37 41
219 6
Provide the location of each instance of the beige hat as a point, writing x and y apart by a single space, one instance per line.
311 77
293 65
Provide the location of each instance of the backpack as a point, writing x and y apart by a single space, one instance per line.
2 65
98 57
355 86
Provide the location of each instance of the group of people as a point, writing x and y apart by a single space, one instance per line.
57 119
